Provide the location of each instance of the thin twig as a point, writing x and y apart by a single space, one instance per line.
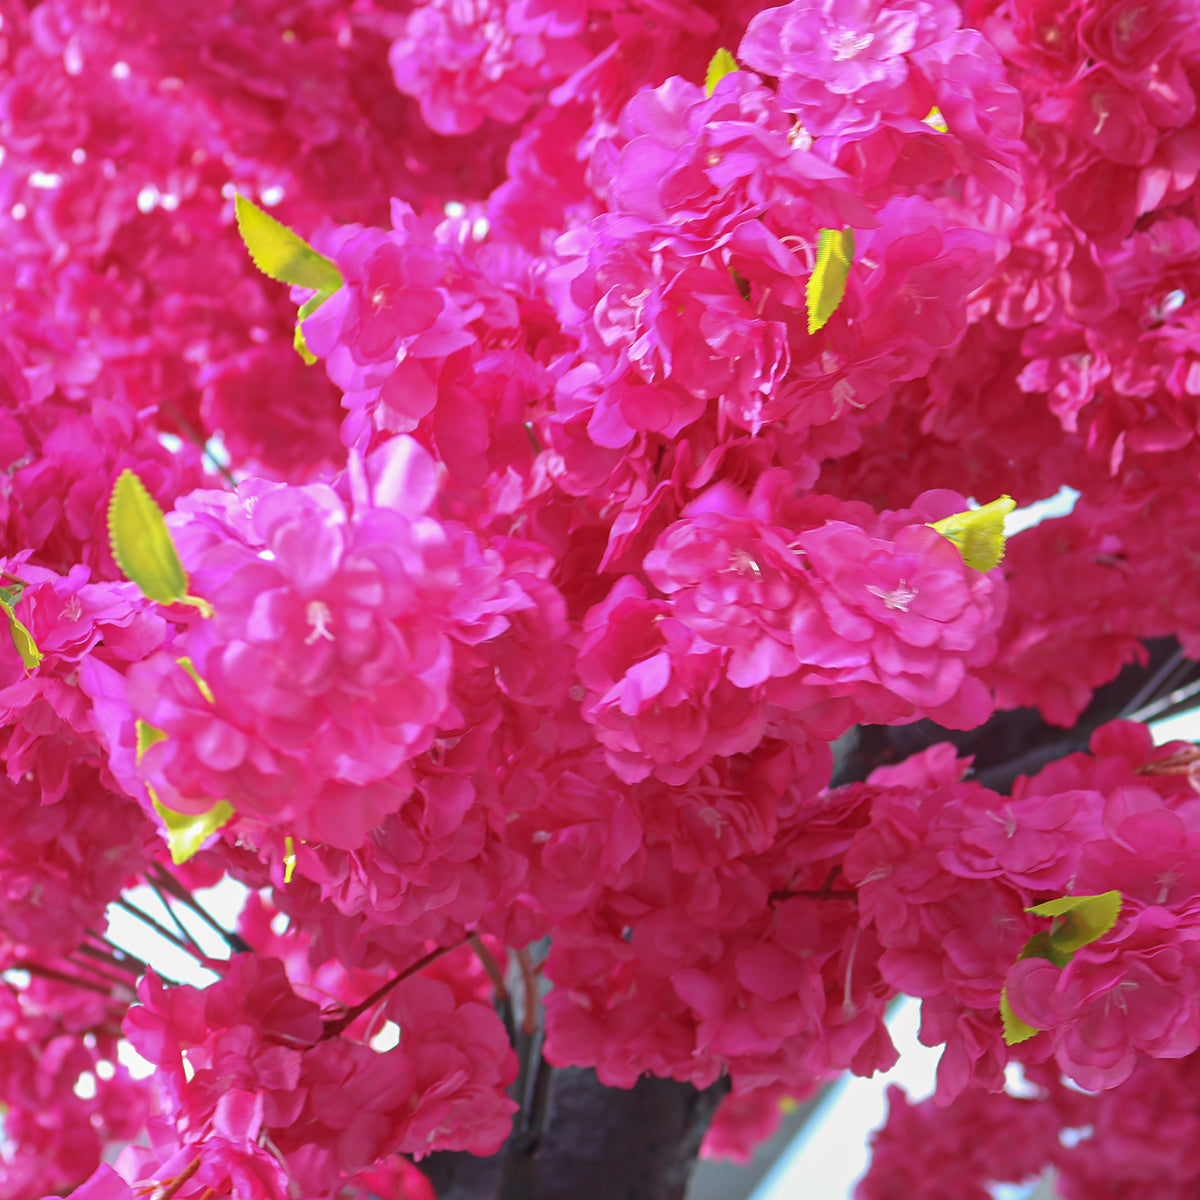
488 960
62 977
813 894
122 969
1158 707
529 1021
528 1045
194 437
162 931
234 940
169 1187
503 999
339 1025
123 981
117 955
1153 685
184 932
539 1101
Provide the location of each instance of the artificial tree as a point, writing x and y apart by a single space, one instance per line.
582 618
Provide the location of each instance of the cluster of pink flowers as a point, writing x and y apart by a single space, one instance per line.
519 634
947 878
830 625
57 1037
327 666
1135 1139
258 1060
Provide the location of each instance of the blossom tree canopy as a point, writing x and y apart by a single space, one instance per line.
519 486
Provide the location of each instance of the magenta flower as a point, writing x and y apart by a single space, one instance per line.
1136 991
330 657
905 615
735 583
656 693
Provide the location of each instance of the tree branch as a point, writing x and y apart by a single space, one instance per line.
1018 742
599 1144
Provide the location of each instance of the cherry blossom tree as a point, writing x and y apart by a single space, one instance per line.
519 486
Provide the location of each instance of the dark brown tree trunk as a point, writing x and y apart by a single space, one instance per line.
601 1143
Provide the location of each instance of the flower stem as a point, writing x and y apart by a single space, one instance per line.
163 931
61 977
503 999
339 1025
236 943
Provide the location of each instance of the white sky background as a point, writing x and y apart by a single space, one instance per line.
223 903
830 1154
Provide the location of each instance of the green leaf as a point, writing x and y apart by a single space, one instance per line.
307 309
827 283
1079 920
187 832
147 736
288 258
202 683
1041 945
281 254
1015 1030
206 609
31 656
721 64
142 544
978 533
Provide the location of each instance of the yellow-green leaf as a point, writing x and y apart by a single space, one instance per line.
721 64
827 283
288 258
307 309
934 119
1015 1030
206 609
31 656
979 532
141 542
187 832
1079 920
199 680
147 736
282 254
1041 945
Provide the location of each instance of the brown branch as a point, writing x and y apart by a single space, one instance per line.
814 894
163 931
234 940
62 977
167 1188
529 1022
126 982
1016 742
339 1025
117 955
490 965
